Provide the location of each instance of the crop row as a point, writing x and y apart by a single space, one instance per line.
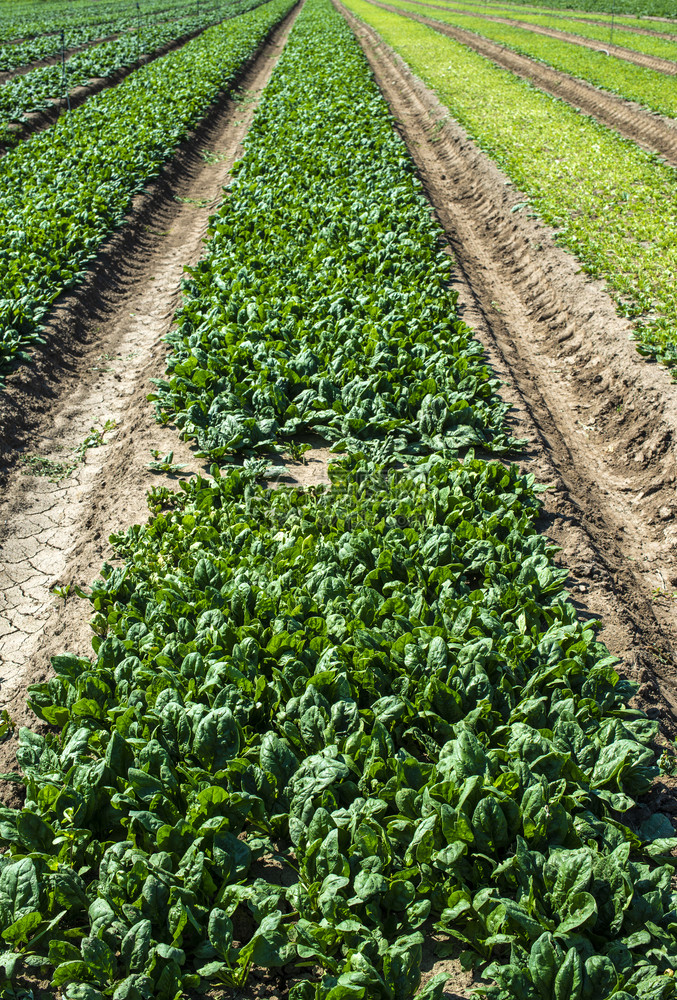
347 328
650 45
64 190
517 10
651 88
79 21
321 724
125 20
606 197
38 89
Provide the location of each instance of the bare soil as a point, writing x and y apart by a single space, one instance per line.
653 132
630 55
600 421
103 346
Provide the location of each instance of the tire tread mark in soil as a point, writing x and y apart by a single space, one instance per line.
599 420
653 132
108 346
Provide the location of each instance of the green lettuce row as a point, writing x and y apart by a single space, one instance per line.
384 687
651 45
640 8
63 191
651 88
323 304
38 89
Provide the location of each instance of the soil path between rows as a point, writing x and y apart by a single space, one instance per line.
651 131
568 16
600 421
103 348
629 55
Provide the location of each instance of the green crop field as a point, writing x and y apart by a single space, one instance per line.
347 740
652 45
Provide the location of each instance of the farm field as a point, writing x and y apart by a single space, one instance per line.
660 9
604 45
653 45
599 191
26 41
647 86
603 87
338 527
52 88
636 23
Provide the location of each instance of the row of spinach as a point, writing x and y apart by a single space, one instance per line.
64 190
323 303
31 39
38 89
322 727
38 35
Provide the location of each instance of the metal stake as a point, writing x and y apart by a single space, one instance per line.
613 14
64 88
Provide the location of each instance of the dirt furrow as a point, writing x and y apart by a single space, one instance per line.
599 420
104 346
653 132
639 58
